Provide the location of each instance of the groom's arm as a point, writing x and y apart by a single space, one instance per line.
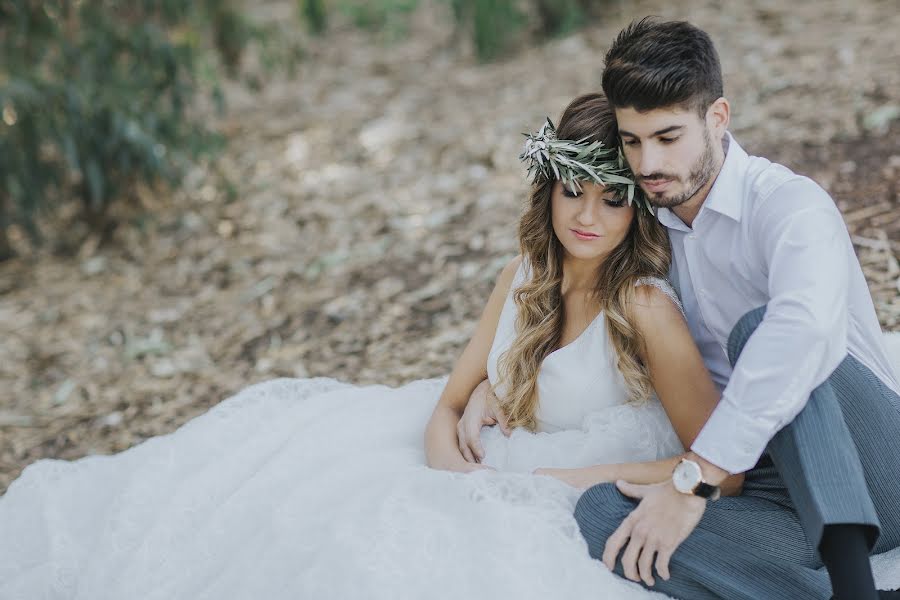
644 473
803 243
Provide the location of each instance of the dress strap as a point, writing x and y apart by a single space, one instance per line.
664 286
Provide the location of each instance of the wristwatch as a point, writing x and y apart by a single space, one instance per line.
688 479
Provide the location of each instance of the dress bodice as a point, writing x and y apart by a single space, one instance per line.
580 378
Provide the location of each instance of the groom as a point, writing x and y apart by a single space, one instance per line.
778 305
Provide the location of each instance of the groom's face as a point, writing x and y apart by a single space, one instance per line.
670 151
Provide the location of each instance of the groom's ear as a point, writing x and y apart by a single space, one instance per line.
718 116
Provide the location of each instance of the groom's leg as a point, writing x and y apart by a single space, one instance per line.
838 460
748 547
851 423
816 457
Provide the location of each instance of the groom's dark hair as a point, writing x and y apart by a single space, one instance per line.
657 64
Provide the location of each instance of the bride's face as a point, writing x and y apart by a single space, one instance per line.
593 212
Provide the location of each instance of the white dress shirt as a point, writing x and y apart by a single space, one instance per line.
767 236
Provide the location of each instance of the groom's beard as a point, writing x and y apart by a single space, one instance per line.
700 174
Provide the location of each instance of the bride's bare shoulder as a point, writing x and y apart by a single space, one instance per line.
654 293
657 310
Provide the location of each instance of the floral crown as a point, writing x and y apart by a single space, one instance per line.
570 161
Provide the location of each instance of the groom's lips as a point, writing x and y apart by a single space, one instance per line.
655 185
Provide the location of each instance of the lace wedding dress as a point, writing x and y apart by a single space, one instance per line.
317 489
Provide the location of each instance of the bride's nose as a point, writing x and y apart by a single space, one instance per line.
585 214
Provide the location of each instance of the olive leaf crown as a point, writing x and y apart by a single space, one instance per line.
572 161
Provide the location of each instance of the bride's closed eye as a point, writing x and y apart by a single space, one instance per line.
613 202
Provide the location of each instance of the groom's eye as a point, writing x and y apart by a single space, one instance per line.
668 140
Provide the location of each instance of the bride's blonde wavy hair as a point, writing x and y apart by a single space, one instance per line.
644 252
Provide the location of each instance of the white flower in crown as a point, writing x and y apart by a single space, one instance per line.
536 146
572 161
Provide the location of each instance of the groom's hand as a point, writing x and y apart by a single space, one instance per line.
483 408
663 519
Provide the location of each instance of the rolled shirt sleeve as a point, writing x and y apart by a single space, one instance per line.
802 338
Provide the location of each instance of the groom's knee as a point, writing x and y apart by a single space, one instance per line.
599 512
741 332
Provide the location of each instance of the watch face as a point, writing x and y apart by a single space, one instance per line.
686 476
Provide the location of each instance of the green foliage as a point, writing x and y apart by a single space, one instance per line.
95 99
558 17
492 25
314 13
387 16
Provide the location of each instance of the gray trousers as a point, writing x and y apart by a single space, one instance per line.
838 461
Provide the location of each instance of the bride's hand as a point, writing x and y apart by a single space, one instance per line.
483 408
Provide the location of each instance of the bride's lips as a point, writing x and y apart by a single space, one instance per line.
655 185
584 235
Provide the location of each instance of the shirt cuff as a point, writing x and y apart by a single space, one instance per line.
731 439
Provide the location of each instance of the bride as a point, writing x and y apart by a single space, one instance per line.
582 325
315 488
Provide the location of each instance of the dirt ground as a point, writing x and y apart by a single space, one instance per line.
359 217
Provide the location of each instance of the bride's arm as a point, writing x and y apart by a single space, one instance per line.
682 383
441 441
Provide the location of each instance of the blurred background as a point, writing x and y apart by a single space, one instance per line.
197 196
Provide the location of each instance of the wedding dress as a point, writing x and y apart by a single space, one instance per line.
318 489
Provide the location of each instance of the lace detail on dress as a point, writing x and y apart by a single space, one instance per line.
664 286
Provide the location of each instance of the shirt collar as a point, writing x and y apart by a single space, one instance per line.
726 193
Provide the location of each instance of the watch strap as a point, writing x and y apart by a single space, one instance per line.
705 490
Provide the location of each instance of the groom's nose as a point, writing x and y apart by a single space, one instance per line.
650 159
